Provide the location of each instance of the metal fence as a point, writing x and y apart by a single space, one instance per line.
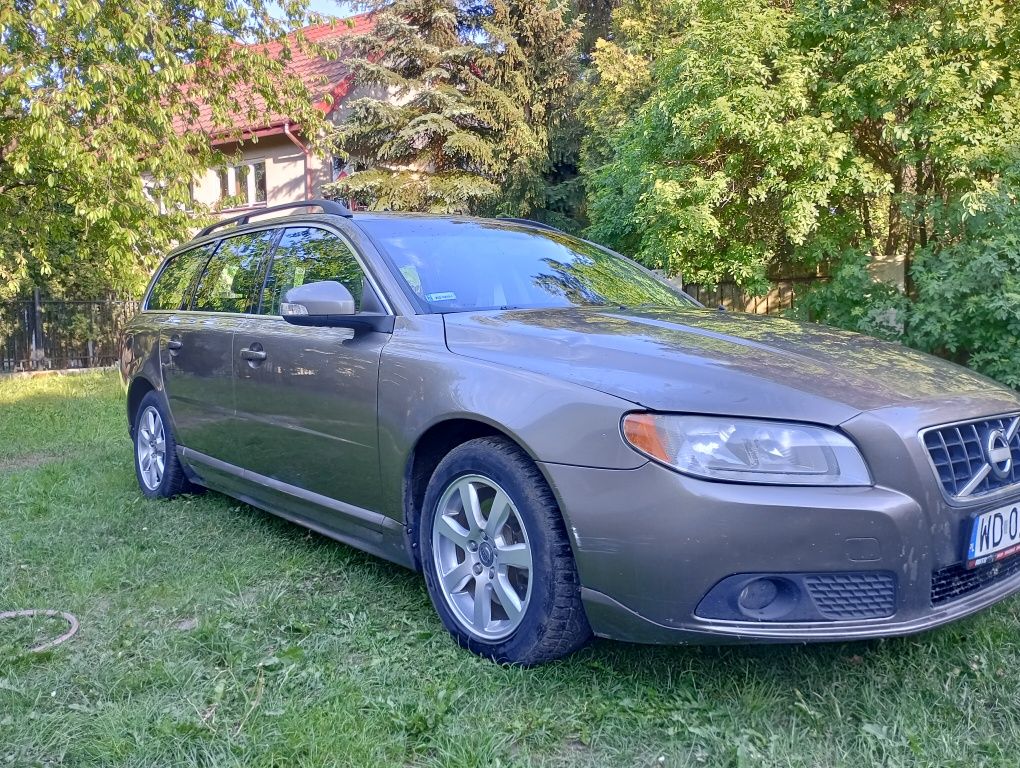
41 334
781 296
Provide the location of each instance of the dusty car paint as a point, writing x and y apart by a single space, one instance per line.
329 440
704 361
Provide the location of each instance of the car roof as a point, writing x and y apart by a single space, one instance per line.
358 217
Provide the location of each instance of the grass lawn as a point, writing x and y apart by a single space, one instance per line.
214 634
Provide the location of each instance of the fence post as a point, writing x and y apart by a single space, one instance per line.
38 352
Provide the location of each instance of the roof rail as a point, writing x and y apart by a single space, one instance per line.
327 206
530 222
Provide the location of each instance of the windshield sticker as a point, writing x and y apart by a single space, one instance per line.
444 296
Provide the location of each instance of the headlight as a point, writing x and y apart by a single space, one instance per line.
747 450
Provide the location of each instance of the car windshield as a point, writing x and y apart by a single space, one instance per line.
463 265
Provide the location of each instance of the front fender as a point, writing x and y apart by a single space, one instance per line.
422 383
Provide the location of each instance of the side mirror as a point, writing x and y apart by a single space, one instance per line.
317 303
329 304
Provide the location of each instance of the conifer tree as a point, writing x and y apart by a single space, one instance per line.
455 104
598 15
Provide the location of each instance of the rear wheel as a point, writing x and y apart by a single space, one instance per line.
497 561
157 468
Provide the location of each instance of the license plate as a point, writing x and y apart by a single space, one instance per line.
994 535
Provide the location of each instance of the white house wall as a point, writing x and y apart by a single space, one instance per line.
285 172
285 163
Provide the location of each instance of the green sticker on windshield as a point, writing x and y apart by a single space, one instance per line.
444 296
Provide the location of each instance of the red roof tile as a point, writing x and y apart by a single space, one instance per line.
323 78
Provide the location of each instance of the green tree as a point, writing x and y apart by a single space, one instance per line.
90 91
457 103
597 15
622 79
731 138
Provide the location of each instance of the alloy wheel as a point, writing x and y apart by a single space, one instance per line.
150 447
482 556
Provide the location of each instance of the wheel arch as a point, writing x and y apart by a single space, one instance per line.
139 387
429 449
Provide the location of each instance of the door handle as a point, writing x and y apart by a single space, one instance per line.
253 354
174 345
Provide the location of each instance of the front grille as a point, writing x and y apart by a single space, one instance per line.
865 595
953 581
958 455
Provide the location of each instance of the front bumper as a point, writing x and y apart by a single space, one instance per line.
650 544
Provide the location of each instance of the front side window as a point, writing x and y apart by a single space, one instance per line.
176 280
232 277
308 255
463 265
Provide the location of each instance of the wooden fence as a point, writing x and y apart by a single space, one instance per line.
783 295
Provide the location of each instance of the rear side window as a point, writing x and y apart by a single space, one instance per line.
308 255
233 275
172 289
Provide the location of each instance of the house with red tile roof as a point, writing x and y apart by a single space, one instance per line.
274 163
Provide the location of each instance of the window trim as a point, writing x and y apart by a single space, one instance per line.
271 226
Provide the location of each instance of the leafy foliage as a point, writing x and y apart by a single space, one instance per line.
89 95
457 103
597 16
735 139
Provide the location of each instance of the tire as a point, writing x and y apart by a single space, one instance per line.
529 596
151 424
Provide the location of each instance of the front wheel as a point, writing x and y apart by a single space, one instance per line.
496 557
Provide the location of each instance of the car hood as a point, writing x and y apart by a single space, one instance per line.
705 361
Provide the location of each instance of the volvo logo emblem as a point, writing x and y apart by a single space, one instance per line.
486 553
998 454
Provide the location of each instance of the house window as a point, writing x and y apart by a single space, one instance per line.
153 191
242 185
259 175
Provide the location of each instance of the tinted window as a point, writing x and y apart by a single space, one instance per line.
457 266
232 277
176 281
308 255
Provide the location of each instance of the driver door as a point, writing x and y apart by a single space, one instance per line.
306 397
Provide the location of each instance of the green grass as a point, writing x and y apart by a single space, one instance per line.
213 634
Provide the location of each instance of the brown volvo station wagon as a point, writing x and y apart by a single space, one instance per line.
565 444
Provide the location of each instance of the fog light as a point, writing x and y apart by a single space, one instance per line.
757 595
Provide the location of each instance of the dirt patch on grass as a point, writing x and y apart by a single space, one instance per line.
28 461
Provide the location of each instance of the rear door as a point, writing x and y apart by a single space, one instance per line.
198 364
307 397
